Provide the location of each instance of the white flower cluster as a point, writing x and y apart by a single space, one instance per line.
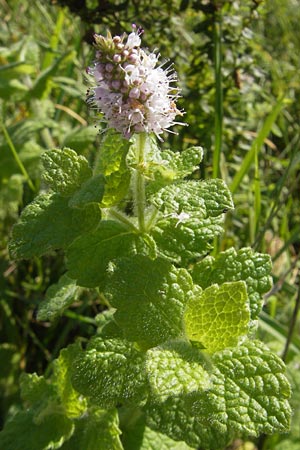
133 94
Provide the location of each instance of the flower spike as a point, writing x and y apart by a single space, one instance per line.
134 95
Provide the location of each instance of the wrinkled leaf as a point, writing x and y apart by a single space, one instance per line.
89 255
150 297
110 372
58 297
231 265
176 368
97 430
91 191
65 171
112 164
48 223
219 316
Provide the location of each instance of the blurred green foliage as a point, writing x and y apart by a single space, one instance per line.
44 49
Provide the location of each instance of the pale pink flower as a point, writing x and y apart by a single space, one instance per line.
134 95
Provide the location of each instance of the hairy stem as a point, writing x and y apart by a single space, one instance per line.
121 217
139 197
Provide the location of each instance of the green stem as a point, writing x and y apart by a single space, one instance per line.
121 217
16 156
152 218
219 93
139 196
292 325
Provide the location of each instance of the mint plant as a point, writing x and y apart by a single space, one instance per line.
174 363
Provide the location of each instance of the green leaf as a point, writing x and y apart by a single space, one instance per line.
106 325
89 255
48 223
175 418
97 430
141 437
196 199
192 217
65 171
26 432
176 368
36 390
44 422
218 317
110 372
90 192
253 268
178 237
255 390
293 374
248 396
168 166
183 197
150 297
73 403
112 164
183 163
58 297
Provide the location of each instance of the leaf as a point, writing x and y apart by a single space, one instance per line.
150 297
197 199
58 297
180 198
110 372
65 171
256 390
168 166
141 437
97 430
48 223
112 164
25 432
183 163
44 424
248 396
73 403
218 317
36 390
176 368
91 191
253 268
175 418
178 237
106 325
89 255
192 217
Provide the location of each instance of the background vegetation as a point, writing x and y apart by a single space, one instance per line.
238 70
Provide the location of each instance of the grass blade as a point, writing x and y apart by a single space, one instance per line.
257 144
